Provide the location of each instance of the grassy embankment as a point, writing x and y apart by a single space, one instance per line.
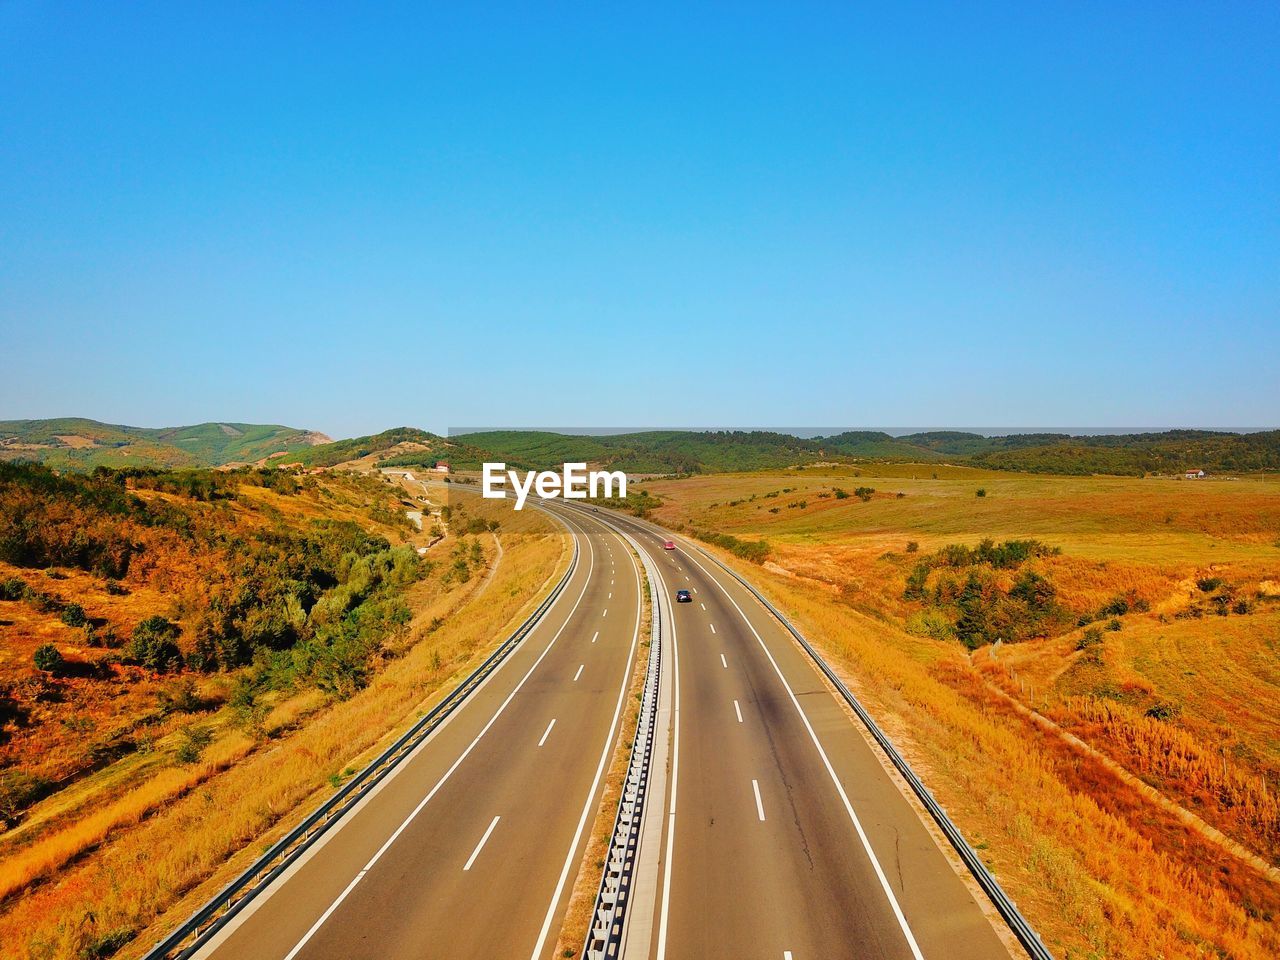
1180 693
88 868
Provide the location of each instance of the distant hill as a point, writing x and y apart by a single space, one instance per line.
80 444
420 445
76 443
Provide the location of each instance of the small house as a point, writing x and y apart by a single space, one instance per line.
441 467
1194 474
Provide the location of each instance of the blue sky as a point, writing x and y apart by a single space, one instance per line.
349 219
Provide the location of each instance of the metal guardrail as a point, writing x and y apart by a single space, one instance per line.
196 931
1019 924
609 914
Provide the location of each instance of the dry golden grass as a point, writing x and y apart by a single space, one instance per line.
1100 869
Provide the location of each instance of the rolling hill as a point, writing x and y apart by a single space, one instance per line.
77 443
82 444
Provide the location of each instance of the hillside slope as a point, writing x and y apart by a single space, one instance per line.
78 443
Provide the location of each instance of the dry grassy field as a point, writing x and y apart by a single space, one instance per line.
1116 756
121 841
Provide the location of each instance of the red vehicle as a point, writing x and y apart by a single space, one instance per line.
668 545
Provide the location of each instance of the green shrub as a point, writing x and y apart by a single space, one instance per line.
1092 637
13 589
73 615
912 546
154 644
194 740
47 658
982 492
19 789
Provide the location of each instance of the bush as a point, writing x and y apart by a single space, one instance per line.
1092 638
1209 584
154 644
194 740
47 658
1114 625
73 615
912 546
12 589
117 589
19 790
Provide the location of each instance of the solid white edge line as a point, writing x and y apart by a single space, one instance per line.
826 761
595 785
546 733
675 772
480 846
448 773
755 788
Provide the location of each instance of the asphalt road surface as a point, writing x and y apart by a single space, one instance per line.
470 849
785 838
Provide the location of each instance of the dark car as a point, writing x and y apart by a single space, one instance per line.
684 596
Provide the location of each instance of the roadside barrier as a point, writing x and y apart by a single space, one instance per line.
1021 928
202 925
608 918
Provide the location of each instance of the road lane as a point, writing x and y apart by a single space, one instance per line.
832 861
404 875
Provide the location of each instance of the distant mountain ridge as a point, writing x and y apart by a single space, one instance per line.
78 443
82 444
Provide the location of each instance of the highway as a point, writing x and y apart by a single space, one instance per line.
779 833
784 836
471 847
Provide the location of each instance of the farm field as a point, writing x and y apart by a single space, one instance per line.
1086 671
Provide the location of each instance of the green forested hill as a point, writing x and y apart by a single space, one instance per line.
81 444
78 443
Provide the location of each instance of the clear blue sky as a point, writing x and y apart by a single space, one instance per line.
1024 214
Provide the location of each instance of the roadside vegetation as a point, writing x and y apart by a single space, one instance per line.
168 640
1046 655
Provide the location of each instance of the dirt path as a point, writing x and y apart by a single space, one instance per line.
1206 830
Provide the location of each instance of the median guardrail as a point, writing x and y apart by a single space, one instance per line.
1019 924
202 925
608 917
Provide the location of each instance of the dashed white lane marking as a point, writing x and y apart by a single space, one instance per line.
724 662
786 955
480 846
712 626
596 637
606 612
579 673
755 785
546 733
736 709
702 605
